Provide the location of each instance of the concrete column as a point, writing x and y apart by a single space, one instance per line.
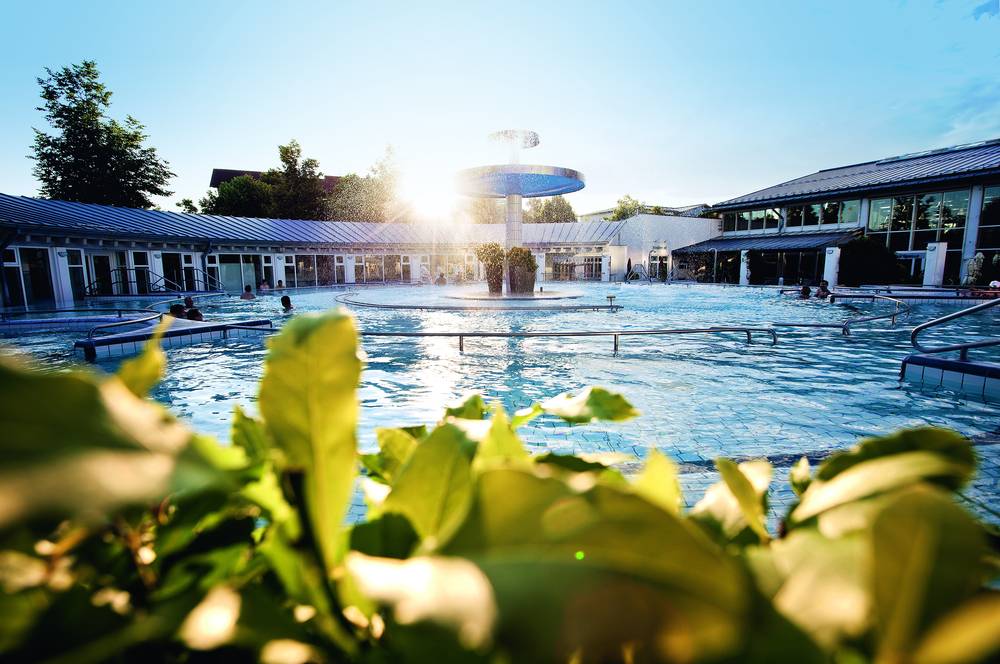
971 230
414 268
540 270
934 263
866 206
62 288
831 266
605 268
745 268
349 269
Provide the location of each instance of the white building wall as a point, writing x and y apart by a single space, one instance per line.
646 233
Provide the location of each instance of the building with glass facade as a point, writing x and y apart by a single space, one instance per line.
936 200
60 253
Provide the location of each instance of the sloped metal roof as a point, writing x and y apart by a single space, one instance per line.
784 241
930 167
104 221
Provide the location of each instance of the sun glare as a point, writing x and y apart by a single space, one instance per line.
430 195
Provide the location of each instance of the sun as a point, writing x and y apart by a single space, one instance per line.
430 195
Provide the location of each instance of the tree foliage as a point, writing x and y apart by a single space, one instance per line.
297 186
92 158
125 536
549 210
627 207
373 197
243 196
486 210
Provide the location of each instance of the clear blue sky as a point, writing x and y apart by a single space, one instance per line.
673 102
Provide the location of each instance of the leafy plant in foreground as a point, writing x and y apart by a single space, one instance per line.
124 536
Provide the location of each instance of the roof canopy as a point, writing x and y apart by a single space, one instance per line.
783 242
104 221
922 168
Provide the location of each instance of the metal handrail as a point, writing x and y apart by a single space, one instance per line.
118 310
131 321
901 309
616 334
962 348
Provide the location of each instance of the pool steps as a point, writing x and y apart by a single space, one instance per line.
976 379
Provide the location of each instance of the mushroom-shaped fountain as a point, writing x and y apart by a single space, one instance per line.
515 181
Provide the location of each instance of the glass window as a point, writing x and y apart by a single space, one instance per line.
74 257
831 213
325 271
989 238
728 221
902 213
772 217
9 256
359 269
991 207
899 241
305 270
850 212
810 214
878 237
879 214
794 217
757 220
742 221
140 258
954 209
928 212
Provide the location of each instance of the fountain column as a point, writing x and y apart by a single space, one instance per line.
515 214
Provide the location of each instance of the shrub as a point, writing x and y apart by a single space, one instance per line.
522 266
866 261
491 255
125 536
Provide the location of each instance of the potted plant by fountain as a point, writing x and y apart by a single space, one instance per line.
522 266
491 255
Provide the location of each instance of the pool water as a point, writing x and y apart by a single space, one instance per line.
700 397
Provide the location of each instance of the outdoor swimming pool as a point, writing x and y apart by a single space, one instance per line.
700 397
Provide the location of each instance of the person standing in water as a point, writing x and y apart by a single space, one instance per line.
286 304
248 293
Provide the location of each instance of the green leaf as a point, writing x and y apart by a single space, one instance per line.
658 483
93 412
799 476
79 444
500 444
824 586
591 405
970 633
599 558
434 488
878 475
928 557
388 536
525 415
142 372
943 442
737 503
471 408
309 403
750 500
249 434
448 591
395 448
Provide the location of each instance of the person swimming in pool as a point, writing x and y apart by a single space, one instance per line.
248 293
440 281
805 293
195 314
188 302
177 310
823 291
286 303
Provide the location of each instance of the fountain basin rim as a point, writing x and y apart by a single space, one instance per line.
527 180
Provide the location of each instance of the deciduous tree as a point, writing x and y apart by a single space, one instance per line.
90 157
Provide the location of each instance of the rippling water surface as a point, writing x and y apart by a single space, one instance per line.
699 396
